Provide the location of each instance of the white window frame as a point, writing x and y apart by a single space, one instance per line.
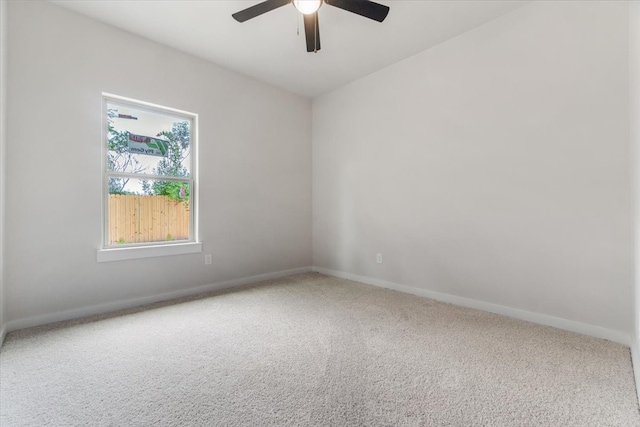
149 249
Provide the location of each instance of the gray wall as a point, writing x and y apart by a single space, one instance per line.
494 167
255 166
634 115
3 131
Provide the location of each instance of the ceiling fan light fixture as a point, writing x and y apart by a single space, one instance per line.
307 7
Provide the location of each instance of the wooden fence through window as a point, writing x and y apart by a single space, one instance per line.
137 218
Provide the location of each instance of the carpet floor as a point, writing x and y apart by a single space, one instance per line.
311 350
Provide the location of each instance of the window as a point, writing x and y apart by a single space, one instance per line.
149 180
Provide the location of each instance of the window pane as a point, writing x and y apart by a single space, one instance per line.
148 211
146 142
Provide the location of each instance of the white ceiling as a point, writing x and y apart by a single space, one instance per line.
268 47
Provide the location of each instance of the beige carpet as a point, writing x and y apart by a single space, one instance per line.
311 350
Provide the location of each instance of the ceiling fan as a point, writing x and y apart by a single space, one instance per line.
309 9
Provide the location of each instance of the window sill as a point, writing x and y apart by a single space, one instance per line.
121 254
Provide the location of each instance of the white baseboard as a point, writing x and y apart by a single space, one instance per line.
29 322
635 361
542 319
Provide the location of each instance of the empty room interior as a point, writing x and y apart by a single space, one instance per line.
246 213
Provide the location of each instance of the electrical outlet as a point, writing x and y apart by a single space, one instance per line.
207 259
379 258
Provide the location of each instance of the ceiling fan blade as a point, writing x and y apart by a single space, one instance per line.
312 32
259 9
366 8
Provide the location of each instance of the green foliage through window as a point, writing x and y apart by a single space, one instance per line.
119 159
